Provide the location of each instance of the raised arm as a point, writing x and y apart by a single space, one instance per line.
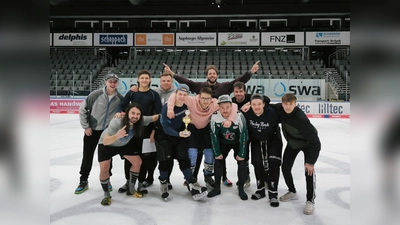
194 86
245 77
170 106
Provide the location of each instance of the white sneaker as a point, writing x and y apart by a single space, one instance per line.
309 208
288 196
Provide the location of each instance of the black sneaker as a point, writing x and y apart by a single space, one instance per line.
259 194
123 189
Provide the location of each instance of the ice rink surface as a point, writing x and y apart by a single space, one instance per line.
332 203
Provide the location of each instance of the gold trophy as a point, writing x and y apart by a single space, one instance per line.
186 120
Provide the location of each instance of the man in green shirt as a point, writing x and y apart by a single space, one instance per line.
224 139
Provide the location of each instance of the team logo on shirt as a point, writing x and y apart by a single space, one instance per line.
229 135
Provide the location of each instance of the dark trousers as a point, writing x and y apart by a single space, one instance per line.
149 165
220 164
224 176
272 154
288 160
168 149
89 147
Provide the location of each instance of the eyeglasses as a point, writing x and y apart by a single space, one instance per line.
205 99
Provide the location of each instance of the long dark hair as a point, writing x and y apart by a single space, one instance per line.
138 126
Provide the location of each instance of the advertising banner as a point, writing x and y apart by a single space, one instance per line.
282 39
328 38
304 89
325 109
73 39
238 39
113 39
65 105
196 39
154 39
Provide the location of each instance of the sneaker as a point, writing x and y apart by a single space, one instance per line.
123 189
259 194
83 186
288 196
309 208
170 186
142 189
106 200
273 202
210 183
147 184
227 183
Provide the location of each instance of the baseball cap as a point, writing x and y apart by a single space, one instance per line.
183 87
112 76
224 98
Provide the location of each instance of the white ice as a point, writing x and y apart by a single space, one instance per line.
332 203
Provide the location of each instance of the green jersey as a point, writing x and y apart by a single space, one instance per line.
235 134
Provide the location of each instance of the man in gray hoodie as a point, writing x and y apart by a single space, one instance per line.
95 114
166 87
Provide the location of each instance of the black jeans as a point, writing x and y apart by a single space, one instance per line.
89 147
288 160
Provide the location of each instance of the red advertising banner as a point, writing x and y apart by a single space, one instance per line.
65 105
328 116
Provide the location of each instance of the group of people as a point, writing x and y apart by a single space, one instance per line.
247 124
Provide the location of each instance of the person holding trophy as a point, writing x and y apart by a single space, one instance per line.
202 107
172 143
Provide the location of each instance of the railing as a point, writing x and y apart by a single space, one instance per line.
334 84
107 57
72 90
338 55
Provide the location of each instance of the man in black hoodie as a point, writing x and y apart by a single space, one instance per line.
300 135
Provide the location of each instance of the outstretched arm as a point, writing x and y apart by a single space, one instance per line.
194 86
255 67
245 77
168 69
